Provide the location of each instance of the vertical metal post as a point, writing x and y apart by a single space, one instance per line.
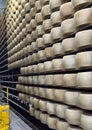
7 94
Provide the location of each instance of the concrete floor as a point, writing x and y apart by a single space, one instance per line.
17 123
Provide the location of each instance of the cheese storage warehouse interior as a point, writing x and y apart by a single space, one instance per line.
46 62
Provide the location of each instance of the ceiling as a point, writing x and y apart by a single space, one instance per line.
2 6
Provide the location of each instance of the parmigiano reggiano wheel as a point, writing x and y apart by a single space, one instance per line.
56 36
50 94
84 101
55 4
36 91
69 80
28 28
66 10
60 110
42 105
41 55
37 114
49 79
56 18
83 18
43 118
71 97
61 124
73 116
38 6
31 110
86 121
33 12
47 25
33 23
48 66
49 52
40 43
41 79
57 49
59 95
40 67
36 102
28 17
57 64
42 92
27 7
58 80
38 18
51 108
68 45
47 39
51 122
68 27
40 30
83 39
46 11
32 2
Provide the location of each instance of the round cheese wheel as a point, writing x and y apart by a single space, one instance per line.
37 114
68 27
59 95
33 23
49 52
48 66
41 79
35 80
40 67
57 49
28 28
36 91
49 79
84 101
51 122
51 108
82 18
32 2
41 55
69 62
42 105
81 62
66 10
27 6
47 39
73 116
33 12
55 4
56 18
50 94
70 46
36 102
58 80
40 43
86 121
47 25
42 92
57 64
56 36
46 11
69 80
71 97
61 124
84 80
60 110
43 118
28 17
34 35
83 39
40 30
39 18
80 4
38 6
73 128
31 110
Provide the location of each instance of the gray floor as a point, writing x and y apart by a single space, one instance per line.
17 123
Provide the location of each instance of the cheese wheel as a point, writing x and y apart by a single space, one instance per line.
81 62
34 46
41 55
55 4
37 114
50 94
39 18
36 91
69 62
32 2
47 25
41 79
51 108
84 101
58 35
38 6
35 80
36 102
27 6
81 4
42 92
42 105
73 128
51 122
83 39
69 80
84 80
73 116
33 23
71 97
28 28
49 52
60 110
56 18
26 89
30 80
57 49
40 67
58 80
31 110
49 79
33 12
40 30
59 95
61 124
40 43
47 39
86 121
46 11
66 10
68 27
28 17
34 35
48 66
43 118
83 18
70 46
57 64
23 12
